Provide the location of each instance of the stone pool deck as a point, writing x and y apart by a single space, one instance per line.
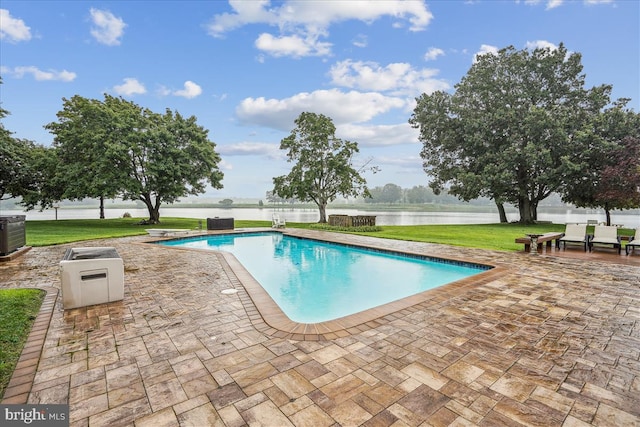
554 340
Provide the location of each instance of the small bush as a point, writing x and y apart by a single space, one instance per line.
126 215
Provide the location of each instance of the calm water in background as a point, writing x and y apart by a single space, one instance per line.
630 219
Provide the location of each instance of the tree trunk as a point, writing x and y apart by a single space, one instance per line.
607 214
501 212
101 207
533 207
322 206
524 206
154 211
154 215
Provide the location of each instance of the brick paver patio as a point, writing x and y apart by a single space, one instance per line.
552 341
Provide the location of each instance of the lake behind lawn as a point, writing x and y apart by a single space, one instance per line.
629 219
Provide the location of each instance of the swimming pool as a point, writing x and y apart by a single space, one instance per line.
315 281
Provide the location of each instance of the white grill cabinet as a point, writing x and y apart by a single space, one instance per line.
91 276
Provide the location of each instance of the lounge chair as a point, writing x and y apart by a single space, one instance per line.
277 222
634 242
574 234
605 235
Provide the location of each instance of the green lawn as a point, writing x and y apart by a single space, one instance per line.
487 236
18 310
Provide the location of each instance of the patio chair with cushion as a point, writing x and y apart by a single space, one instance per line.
574 234
634 242
605 235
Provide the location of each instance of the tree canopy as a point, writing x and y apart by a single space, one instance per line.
17 169
115 147
324 164
82 142
506 132
607 173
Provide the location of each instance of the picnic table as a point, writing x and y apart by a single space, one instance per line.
547 238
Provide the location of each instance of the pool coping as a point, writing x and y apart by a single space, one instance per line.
267 317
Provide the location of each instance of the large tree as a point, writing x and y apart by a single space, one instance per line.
504 132
163 157
324 164
117 148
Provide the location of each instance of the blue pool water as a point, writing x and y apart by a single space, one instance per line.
315 281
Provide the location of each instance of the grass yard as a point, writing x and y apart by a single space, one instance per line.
485 236
500 237
18 310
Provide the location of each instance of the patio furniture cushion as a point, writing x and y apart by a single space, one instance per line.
575 234
633 243
605 235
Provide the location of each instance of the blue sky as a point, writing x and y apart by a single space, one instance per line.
247 69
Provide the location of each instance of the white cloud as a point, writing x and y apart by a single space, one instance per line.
341 107
404 162
379 135
485 49
40 75
107 28
433 53
163 91
360 41
245 12
396 78
191 90
540 44
224 165
293 45
130 87
269 150
302 23
318 16
552 4
13 29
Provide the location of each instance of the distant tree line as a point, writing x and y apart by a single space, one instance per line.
418 194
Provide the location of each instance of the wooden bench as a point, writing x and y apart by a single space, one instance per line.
547 238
